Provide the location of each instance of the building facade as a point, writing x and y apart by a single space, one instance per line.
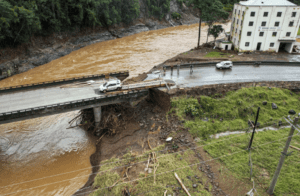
264 25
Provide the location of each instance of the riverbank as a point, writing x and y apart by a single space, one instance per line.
43 50
190 153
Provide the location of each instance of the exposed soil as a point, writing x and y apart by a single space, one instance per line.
138 128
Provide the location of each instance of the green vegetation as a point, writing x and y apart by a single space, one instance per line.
146 185
227 42
265 158
235 109
215 31
158 8
228 7
298 32
216 54
20 20
176 15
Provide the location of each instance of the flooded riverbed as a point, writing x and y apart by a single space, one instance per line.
40 148
137 53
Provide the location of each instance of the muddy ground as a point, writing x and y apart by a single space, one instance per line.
197 55
146 125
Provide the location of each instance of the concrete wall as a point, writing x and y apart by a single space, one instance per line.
223 45
288 47
223 88
240 38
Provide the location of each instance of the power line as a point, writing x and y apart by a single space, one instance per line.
186 166
109 163
105 170
120 166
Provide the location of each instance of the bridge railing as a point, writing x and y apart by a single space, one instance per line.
55 108
121 74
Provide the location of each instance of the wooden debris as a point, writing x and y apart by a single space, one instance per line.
182 185
295 148
165 193
149 144
252 125
155 166
100 138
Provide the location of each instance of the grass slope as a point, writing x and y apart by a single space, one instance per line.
233 111
146 186
265 157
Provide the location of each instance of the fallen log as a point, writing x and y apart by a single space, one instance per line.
182 185
295 148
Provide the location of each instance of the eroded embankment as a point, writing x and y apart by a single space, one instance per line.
126 126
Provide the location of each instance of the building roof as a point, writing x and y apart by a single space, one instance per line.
267 3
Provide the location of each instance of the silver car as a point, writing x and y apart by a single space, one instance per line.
224 64
110 86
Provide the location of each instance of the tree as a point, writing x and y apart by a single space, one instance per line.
210 11
215 31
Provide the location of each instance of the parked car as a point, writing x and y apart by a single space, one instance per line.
110 86
224 64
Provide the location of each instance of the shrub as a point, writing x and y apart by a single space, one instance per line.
176 15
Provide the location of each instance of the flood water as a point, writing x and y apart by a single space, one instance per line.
43 147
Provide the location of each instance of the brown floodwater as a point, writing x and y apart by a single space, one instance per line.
38 156
137 53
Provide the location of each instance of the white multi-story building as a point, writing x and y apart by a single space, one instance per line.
265 25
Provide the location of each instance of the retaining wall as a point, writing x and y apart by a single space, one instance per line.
223 88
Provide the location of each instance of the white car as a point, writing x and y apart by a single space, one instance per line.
110 86
224 64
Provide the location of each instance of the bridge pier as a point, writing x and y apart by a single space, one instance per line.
97 115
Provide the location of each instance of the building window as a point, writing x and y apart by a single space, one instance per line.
276 24
263 24
261 34
274 34
266 14
249 33
235 30
239 12
235 11
237 21
294 14
291 24
272 44
247 43
250 24
279 14
252 14
241 22
243 13
288 34
233 20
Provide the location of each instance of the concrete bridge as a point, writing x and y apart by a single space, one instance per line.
32 103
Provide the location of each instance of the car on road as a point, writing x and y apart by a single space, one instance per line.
110 86
224 64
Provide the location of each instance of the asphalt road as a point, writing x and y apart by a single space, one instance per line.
47 96
201 76
211 75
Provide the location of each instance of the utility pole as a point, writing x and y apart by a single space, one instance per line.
283 155
251 140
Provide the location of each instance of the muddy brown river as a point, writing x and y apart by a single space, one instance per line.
42 157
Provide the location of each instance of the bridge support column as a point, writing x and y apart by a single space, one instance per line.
97 115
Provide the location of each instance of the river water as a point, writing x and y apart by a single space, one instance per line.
40 156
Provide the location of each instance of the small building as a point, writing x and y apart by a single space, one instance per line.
264 25
225 44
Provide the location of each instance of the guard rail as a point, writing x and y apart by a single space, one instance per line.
121 74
